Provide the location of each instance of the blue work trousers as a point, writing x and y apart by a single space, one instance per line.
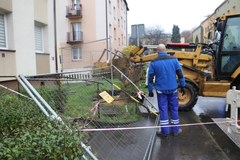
168 102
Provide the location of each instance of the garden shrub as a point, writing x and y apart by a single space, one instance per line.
26 133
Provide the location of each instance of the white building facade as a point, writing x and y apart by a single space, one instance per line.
26 43
48 36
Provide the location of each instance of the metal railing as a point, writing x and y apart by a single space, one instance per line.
74 10
56 94
75 36
46 108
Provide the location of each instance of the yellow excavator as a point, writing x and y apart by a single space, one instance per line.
209 69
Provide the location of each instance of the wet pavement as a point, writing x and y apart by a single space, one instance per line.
196 142
122 144
193 143
200 142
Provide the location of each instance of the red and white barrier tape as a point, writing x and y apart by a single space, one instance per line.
155 127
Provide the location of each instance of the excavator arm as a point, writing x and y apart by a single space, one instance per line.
174 49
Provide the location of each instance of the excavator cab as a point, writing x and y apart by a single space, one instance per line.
227 52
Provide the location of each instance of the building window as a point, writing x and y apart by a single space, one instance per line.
3 41
110 30
76 29
39 38
114 13
110 7
122 4
115 34
121 22
76 53
76 6
76 2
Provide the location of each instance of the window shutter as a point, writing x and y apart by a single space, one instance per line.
2 32
38 39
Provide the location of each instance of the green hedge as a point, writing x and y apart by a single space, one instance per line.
25 133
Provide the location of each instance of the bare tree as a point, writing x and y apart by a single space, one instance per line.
155 35
187 36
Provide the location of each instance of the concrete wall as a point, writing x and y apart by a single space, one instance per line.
50 44
100 19
23 28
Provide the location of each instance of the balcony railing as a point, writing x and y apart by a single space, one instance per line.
74 37
74 11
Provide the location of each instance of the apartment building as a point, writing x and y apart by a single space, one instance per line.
92 26
48 36
205 31
26 37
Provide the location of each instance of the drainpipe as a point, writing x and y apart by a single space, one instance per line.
201 33
127 41
106 3
55 35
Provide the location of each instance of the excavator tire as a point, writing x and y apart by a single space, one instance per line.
187 101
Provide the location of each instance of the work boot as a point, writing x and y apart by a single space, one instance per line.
162 135
177 133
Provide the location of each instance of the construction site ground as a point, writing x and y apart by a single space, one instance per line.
202 139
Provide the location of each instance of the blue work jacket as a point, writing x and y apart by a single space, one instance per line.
164 69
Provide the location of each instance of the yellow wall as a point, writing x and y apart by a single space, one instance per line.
6 5
43 64
41 11
7 63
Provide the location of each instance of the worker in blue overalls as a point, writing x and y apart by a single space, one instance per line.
165 68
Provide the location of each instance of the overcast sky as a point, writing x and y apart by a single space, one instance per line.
187 14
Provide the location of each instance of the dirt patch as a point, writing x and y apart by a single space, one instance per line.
134 72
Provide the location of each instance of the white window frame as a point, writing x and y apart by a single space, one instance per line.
79 53
5 30
76 1
38 50
76 31
76 4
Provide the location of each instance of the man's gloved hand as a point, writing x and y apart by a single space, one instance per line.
183 91
150 94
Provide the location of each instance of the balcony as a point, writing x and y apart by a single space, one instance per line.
74 11
74 37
